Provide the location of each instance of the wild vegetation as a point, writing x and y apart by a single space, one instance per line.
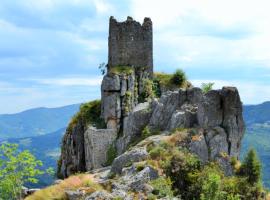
16 169
57 192
162 81
193 180
89 113
121 70
206 87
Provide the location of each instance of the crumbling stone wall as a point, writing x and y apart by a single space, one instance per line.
131 44
96 145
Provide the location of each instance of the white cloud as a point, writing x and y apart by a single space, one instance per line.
235 31
250 92
74 81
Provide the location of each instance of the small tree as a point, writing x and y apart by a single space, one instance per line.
251 167
206 87
16 168
179 77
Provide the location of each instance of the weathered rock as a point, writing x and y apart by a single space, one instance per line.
74 195
210 111
217 142
138 181
225 164
199 146
134 155
118 98
100 195
72 158
133 126
163 110
186 117
96 145
233 122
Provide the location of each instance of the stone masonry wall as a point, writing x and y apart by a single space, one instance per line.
131 44
96 145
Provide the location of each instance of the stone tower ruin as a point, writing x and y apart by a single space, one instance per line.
131 44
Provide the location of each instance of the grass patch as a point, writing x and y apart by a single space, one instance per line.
57 192
89 113
127 70
163 81
111 154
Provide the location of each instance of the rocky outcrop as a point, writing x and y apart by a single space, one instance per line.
118 97
133 125
215 117
72 159
127 158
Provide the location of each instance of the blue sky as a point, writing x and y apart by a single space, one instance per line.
50 49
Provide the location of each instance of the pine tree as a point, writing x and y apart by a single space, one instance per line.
251 167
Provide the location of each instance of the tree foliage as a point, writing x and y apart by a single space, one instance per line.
16 168
251 167
179 77
206 87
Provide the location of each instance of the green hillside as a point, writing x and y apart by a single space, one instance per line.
257 118
34 122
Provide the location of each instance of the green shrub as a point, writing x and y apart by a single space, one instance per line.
89 113
210 181
162 187
151 197
183 169
206 87
169 82
111 154
146 132
148 92
127 101
179 77
251 167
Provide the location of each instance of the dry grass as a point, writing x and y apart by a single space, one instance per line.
268 196
178 136
82 182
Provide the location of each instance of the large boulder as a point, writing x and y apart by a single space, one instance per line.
133 125
134 155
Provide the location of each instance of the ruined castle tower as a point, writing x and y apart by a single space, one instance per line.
131 50
131 44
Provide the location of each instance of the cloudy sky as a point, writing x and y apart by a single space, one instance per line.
50 49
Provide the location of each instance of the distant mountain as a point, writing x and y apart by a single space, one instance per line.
46 148
34 122
257 118
257 113
41 130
